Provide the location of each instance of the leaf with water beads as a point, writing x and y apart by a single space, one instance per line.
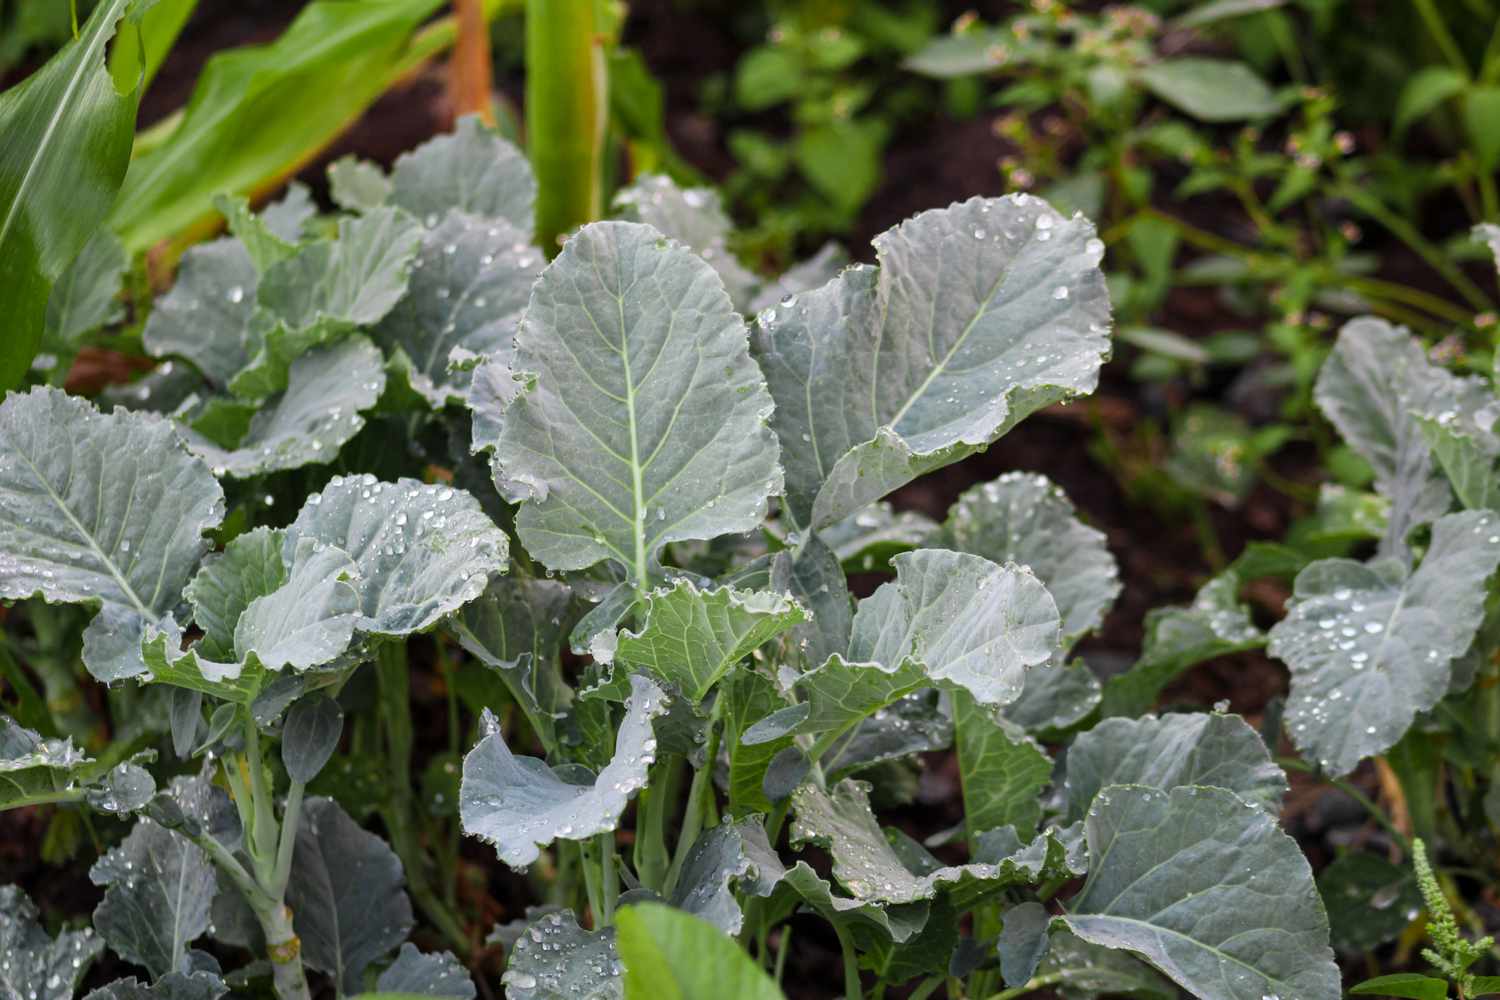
31 765
206 316
1204 886
519 804
725 858
692 216
1023 518
328 389
437 974
1198 748
641 419
554 957
471 169
33 965
325 291
159 890
1374 380
422 551
1370 645
869 866
469 285
978 315
107 510
198 985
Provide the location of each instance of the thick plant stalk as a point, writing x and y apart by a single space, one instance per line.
284 949
469 72
566 105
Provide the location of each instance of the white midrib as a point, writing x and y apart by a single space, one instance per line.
635 454
58 113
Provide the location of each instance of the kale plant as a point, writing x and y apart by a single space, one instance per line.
400 428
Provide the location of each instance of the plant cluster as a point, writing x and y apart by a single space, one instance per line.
623 513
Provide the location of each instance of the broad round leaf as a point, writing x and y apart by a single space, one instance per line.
978 315
1370 646
473 170
422 551
642 419
310 735
100 509
1205 887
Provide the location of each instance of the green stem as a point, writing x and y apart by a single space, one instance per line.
853 989
1376 813
692 818
592 883
1419 244
610 882
783 947
263 836
928 988
567 103
394 686
651 859
291 818
1438 29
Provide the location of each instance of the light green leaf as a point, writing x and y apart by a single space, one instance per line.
671 955
1215 624
206 316
357 185
250 119
1055 698
249 567
264 246
327 289
436 974
101 509
692 216
306 619
172 986
51 968
896 923
68 134
1003 770
1201 748
159 888
1423 91
689 638
472 170
1463 440
519 804
86 295
978 315
1023 518
731 858
422 551
840 693
31 765
345 895
1403 984
643 419
1217 11
867 864
554 957
469 285
1211 90
970 623
320 411
962 53
1372 382
1370 646
1205 887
